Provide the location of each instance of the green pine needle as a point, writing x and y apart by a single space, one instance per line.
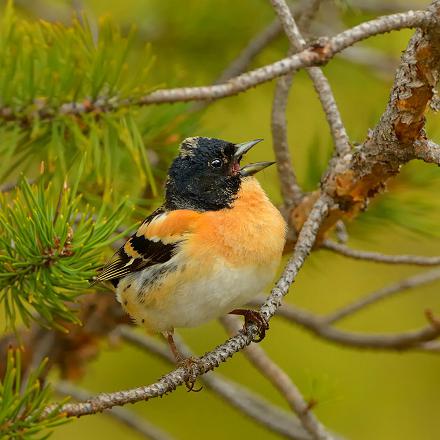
22 403
50 247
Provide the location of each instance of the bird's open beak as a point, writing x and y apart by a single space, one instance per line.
252 168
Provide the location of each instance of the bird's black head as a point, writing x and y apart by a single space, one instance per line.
206 175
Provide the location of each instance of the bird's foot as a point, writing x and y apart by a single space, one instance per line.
192 366
256 318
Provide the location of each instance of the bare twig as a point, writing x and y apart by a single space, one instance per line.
377 257
290 189
250 404
282 382
123 415
320 82
386 292
211 360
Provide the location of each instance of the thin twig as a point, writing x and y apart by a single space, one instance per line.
282 382
386 292
322 86
122 415
234 394
290 190
377 257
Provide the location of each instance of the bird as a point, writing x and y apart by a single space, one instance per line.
214 244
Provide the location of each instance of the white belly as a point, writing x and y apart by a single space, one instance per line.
217 294
193 303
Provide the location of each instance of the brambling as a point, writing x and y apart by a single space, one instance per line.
215 243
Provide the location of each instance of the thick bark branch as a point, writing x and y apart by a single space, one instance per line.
358 176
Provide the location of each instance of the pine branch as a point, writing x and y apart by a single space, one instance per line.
47 254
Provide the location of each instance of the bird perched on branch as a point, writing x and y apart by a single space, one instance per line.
214 244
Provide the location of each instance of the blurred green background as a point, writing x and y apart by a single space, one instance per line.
360 394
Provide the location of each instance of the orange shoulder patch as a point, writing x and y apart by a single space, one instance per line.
170 227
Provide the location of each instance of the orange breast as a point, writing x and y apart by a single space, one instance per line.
252 232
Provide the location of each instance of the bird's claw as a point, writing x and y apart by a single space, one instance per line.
192 366
258 319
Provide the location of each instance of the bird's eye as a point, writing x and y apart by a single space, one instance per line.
216 163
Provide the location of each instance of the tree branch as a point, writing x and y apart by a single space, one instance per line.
410 340
359 176
317 54
256 45
320 82
282 382
250 404
290 190
427 150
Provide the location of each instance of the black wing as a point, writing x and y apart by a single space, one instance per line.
137 253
